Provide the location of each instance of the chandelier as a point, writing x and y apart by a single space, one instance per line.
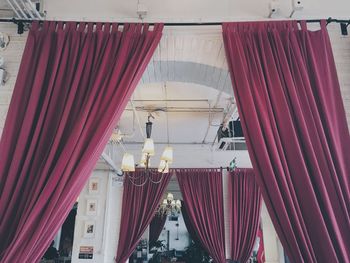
128 163
169 206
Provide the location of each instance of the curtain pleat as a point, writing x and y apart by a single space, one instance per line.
244 206
141 198
202 192
293 118
73 84
155 228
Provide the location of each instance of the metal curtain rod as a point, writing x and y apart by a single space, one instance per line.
329 20
22 22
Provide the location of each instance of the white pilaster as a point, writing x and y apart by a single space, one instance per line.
273 249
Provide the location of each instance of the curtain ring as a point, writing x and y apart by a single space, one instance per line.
324 23
303 25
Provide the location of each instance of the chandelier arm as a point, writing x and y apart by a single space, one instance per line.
135 184
135 177
155 182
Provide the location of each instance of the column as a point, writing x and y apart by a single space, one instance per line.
273 249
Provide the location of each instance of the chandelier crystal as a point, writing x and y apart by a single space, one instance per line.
169 206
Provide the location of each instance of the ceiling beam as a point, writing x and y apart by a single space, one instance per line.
109 161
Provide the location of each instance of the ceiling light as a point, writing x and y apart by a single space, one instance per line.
128 164
169 206
167 154
148 147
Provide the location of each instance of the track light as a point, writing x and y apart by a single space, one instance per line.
274 6
297 5
20 27
344 29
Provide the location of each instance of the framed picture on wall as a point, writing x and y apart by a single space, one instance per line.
94 186
89 229
91 207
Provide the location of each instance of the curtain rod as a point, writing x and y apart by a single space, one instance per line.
21 23
329 20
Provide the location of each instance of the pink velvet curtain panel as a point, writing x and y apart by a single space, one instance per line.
293 119
73 84
141 200
244 209
202 193
190 229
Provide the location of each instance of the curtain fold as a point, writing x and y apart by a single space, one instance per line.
73 84
140 201
189 226
293 119
202 192
155 228
245 205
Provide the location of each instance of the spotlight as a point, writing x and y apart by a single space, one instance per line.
141 10
344 29
20 27
297 6
274 6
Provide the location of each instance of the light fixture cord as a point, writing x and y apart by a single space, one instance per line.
167 117
137 118
122 145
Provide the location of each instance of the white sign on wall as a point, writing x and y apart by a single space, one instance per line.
117 181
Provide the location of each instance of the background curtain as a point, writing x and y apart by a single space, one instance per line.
293 118
155 228
138 208
202 192
189 226
73 84
245 205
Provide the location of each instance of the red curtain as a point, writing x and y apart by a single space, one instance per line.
141 199
189 226
293 119
155 228
73 84
245 206
202 193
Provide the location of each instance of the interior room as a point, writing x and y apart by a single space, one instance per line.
185 131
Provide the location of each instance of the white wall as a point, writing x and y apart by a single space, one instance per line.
272 246
113 217
81 217
12 56
341 51
172 228
194 10
107 220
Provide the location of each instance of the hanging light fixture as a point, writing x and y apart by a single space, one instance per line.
169 206
128 164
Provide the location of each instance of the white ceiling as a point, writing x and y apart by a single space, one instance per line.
5 9
188 82
190 10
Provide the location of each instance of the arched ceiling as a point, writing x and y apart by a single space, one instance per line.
188 83
188 72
